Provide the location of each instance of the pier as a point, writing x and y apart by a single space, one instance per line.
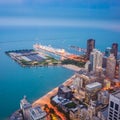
60 52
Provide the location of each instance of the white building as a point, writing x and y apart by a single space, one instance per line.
111 64
93 86
25 106
78 84
87 66
114 106
37 113
96 59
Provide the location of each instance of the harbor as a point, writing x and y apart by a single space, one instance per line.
42 55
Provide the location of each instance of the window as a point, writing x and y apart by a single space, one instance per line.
115 118
111 112
110 118
115 115
116 107
115 112
111 104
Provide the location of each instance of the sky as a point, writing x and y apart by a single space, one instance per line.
71 13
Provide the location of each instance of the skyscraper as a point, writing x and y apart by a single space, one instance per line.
114 106
115 49
25 106
119 70
111 64
90 47
107 51
96 58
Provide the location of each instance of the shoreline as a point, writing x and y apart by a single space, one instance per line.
46 98
72 67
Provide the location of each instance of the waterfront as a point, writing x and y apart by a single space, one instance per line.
15 81
59 24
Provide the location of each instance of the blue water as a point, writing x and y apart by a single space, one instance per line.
16 81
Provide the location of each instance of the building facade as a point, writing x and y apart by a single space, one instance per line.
103 97
90 47
108 51
96 59
25 106
119 71
114 106
65 92
115 49
111 64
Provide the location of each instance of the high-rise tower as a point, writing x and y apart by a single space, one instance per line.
111 64
119 70
115 49
114 106
108 51
90 47
96 58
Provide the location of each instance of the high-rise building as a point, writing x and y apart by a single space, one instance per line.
25 106
107 51
87 66
64 92
115 49
119 70
103 97
96 59
30 112
104 64
114 106
111 64
90 47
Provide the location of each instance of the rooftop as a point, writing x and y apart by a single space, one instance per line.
105 112
37 113
117 94
60 100
92 85
24 103
64 88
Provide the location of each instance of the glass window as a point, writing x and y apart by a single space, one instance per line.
110 115
115 118
115 115
111 104
115 112
111 110
116 107
110 118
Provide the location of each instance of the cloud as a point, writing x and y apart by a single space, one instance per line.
34 22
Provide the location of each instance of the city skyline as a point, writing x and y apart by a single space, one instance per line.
64 55
90 87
